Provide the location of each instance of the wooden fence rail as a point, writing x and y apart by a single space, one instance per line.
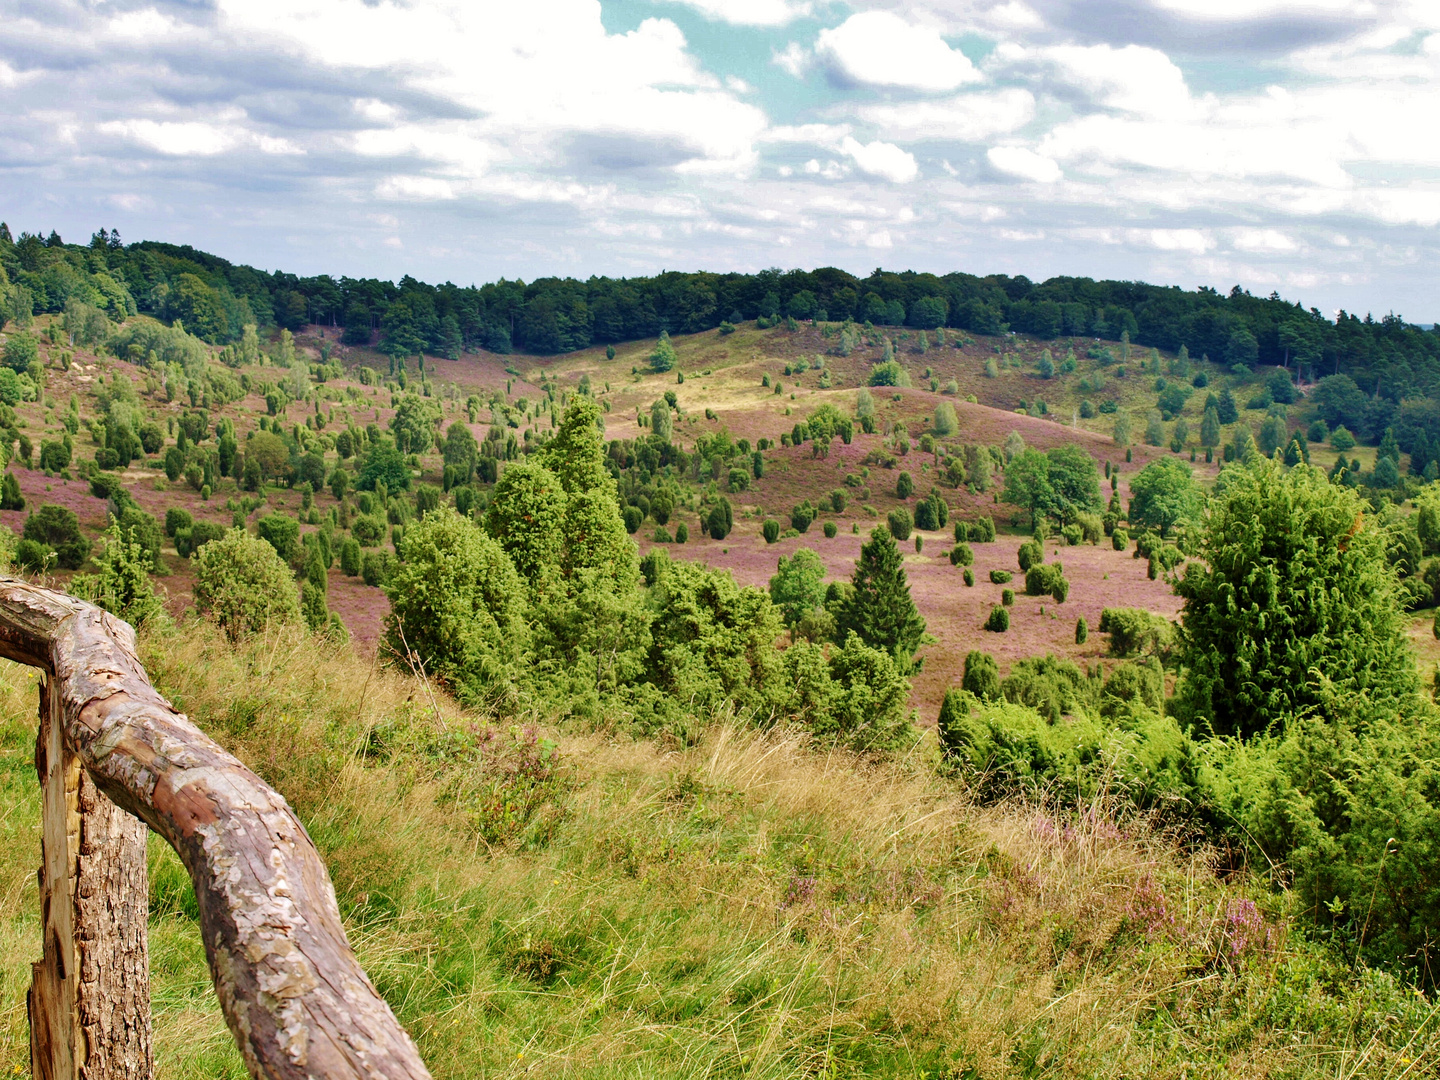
109 746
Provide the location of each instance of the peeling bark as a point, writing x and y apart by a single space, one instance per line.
293 994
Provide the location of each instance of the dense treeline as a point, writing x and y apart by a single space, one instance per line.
1383 363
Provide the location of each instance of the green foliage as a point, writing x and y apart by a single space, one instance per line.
177 517
878 606
1135 632
57 528
243 585
526 516
1043 578
456 607
21 350
1000 577
1030 554
281 532
720 519
121 584
1052 687
961 555
798 584
998 621
384 464
1082 631
1291 595
770 529
899 523
904 486
982 676
351 557
1164 494
663 358
869 709
946 423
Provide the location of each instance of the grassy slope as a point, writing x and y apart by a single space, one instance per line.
742 907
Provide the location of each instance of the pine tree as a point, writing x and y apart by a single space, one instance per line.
879 609
1226 409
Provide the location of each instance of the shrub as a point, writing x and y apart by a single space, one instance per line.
633 518
377 568
899 523
1120 539
1059 589
982 530
1031 554
801 517
1082 630
720 520
999 577
1134 632
368 530
962 532
351 559
904 486
830 530
999 620
57 529
961 555
982 675
682 533
919 543
281 532
770 530
969 578
1007 597
1341 439
243 584
188 541
739 479
176 518
456 601
33 556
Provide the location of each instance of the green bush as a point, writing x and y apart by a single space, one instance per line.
982 530
904 486
1030 554
367 530
982 676
1000 577
1135 632
899 523
1073 534
1120 539
281 532
633 518
57 529
830 530
1042 579
682 533
177 517
1052 687
969 577
999 620
739 479
243 584
720 520
34 556
1082 630
457 603
351 559
1007 597
377 568
801 516
961 555
962 532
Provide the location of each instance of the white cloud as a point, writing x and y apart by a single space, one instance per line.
1026 164
540 74
424 188
882 159
1263 241
1192 241
793 59
1134 79
966 118
878 48
750 12
175 138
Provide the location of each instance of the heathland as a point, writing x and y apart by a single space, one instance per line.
912 676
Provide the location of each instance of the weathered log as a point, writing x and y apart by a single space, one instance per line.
293 994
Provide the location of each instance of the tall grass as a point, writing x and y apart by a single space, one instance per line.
742 907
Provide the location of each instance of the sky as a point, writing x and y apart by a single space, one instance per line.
1284 145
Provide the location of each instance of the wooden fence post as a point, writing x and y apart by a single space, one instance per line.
89 1000
294 995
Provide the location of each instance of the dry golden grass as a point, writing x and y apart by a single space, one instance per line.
741 907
